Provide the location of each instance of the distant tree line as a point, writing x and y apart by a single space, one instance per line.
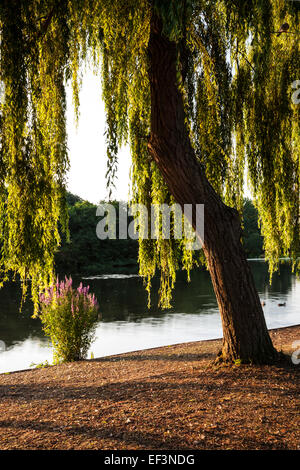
86 254
252 238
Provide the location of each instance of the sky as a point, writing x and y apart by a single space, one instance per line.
87 148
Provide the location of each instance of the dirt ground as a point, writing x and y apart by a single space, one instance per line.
164 398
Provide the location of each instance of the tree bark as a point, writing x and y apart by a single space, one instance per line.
245 334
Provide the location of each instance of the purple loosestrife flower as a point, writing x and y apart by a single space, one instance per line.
94 300
49 293
57 303
68 283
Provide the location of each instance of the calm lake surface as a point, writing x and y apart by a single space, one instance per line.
128 325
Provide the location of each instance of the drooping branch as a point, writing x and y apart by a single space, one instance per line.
46 23
245 332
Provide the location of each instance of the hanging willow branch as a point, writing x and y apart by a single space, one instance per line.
46 24
238 116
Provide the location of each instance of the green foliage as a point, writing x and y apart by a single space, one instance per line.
41 365
69 317
238 362
235 75
85 253
33 156
252 238
72 199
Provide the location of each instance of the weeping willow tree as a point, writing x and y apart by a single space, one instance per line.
203 93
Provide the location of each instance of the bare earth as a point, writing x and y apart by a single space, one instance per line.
164 398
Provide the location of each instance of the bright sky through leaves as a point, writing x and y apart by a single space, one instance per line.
87 144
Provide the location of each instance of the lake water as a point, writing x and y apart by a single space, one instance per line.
128 325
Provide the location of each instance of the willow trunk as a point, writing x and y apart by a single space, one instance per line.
245 334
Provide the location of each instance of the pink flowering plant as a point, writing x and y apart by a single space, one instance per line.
69 317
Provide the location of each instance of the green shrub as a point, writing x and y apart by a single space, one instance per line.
69 319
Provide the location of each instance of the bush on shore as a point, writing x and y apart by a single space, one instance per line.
69 319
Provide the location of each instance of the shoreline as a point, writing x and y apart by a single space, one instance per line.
147 349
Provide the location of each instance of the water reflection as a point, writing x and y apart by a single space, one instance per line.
15 326
282 281
127 324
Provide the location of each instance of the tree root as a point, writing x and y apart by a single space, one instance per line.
278 358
